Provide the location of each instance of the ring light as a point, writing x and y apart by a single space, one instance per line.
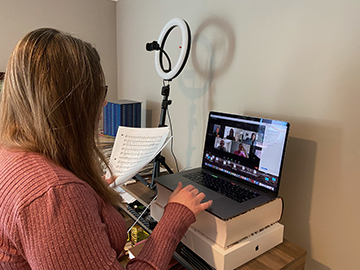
167 75
185 49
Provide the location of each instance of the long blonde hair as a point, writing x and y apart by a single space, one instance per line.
51 104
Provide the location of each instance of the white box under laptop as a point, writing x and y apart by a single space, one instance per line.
234 255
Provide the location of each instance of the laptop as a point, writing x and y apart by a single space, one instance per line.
241 163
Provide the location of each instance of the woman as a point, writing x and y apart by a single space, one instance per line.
56 211
241 151
230 136
253 143
216 133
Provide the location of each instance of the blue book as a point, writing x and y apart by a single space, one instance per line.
137 115
117 117
106 119
121 112
112 119
129 115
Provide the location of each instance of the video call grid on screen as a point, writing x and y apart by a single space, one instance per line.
246 147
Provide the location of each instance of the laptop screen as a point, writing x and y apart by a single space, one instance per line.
246 148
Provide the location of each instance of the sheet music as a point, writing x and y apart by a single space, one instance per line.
124 195
133 149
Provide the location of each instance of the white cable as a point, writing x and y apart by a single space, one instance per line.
141 215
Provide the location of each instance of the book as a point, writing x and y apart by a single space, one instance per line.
135 148
122 112
226 232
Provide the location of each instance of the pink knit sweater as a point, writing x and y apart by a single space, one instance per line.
50 219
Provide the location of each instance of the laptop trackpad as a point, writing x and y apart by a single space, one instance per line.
171 183
210 195
226 208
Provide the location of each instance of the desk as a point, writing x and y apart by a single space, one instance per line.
285 256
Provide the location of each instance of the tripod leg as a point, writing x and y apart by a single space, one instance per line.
142 180
156 168
155 173
166 166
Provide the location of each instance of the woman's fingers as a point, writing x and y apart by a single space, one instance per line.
190 197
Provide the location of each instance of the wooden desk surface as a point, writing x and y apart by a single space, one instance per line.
142 193
286 256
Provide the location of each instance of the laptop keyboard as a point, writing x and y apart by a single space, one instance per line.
226 188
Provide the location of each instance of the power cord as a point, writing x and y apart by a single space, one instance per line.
172 141
136 221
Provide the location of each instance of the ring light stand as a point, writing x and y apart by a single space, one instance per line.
167 75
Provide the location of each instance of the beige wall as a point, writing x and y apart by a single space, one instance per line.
297 61
91 20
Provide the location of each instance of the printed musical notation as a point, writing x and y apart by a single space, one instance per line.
134 148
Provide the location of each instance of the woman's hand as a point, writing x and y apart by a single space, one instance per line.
190 197
109 180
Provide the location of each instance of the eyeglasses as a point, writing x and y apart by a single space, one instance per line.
106 90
